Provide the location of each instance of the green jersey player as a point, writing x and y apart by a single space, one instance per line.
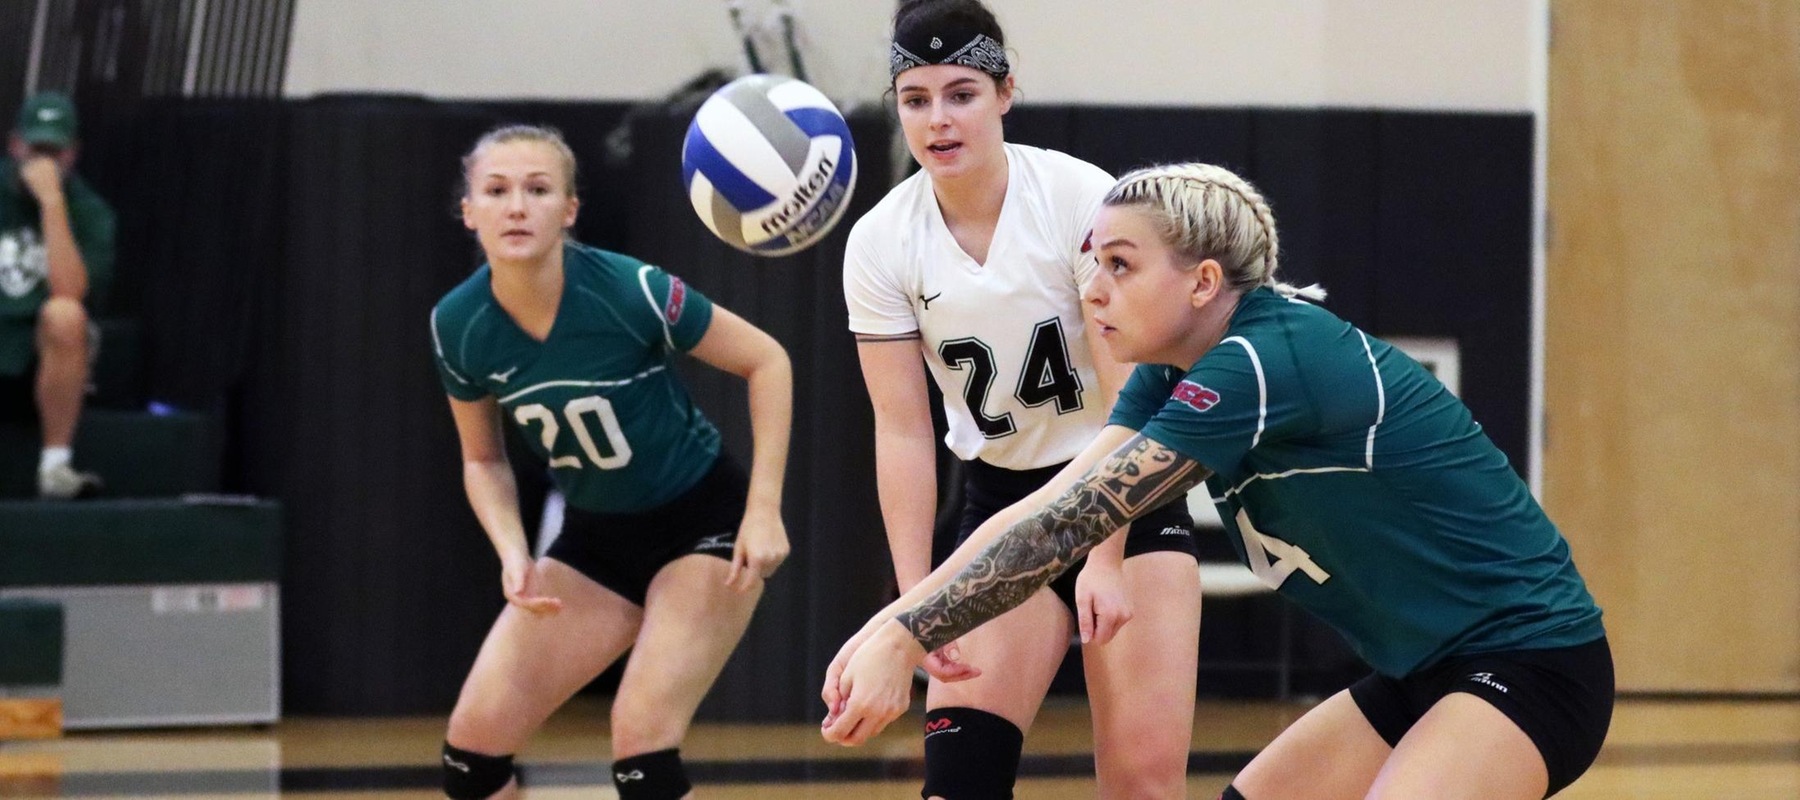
1350 481
665 541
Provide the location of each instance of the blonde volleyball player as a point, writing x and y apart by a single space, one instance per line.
665 542
1350 480
974 268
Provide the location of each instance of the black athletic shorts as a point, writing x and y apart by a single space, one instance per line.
988 489
622 552
1562 698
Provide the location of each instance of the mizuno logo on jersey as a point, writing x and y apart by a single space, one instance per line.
1197 397
454 764
677 299
502 377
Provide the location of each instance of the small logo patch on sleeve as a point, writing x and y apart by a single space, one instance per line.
1087 245
677 299
1197 397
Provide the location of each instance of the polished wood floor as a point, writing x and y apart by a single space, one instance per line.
1729 750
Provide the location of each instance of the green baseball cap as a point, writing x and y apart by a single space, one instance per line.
47 118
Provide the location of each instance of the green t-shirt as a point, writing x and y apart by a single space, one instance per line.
23 268
1354 483
598 399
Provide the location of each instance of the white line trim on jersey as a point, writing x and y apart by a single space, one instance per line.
438 345
644 281
1275 476
1380 401
1262 389
547 384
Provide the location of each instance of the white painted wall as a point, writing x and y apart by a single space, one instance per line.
1438 54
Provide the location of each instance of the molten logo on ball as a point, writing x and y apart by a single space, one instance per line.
769 165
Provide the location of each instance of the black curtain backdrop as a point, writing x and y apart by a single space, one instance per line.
284 256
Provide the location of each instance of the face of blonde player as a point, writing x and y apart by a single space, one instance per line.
1150 305
951 116
519 202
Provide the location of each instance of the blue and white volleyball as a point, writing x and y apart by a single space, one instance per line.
768 164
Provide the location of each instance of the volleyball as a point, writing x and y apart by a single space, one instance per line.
768 164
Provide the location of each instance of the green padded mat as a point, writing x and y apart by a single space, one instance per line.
138 454
111 542
31 642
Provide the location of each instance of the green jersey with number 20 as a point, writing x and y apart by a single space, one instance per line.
598 398
1353 482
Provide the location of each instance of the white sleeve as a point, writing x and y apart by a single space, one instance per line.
876 297
1086 189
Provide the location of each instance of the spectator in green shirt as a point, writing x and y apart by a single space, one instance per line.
56 258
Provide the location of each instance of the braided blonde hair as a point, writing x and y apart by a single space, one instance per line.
1206 211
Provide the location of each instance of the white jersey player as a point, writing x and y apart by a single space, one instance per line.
1004 339
975 267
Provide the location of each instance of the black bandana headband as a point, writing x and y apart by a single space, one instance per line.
968 49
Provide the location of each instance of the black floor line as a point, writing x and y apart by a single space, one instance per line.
755 771
380 778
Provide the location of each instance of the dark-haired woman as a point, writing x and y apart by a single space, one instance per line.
971 271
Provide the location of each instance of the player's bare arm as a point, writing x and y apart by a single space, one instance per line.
1139 476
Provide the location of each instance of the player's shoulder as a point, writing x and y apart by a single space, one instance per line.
1057 192
895 212
1056 170
460 309
1264 312
1280 336
597 267
465 298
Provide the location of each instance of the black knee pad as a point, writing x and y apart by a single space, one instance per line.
1230 793
651 776
473 776
970 754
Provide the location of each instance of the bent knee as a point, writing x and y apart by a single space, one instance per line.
62 322
638 729
483 728
1142 787
1143 773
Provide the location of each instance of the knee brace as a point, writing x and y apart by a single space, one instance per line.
1230 793
970 754
651 776
473 776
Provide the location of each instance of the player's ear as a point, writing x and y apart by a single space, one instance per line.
1208 278
574 207
1008 88
468 221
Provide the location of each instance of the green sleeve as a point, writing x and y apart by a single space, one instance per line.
1143 395
682 313
451 372
1230 402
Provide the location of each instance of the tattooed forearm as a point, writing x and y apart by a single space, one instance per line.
1139 476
